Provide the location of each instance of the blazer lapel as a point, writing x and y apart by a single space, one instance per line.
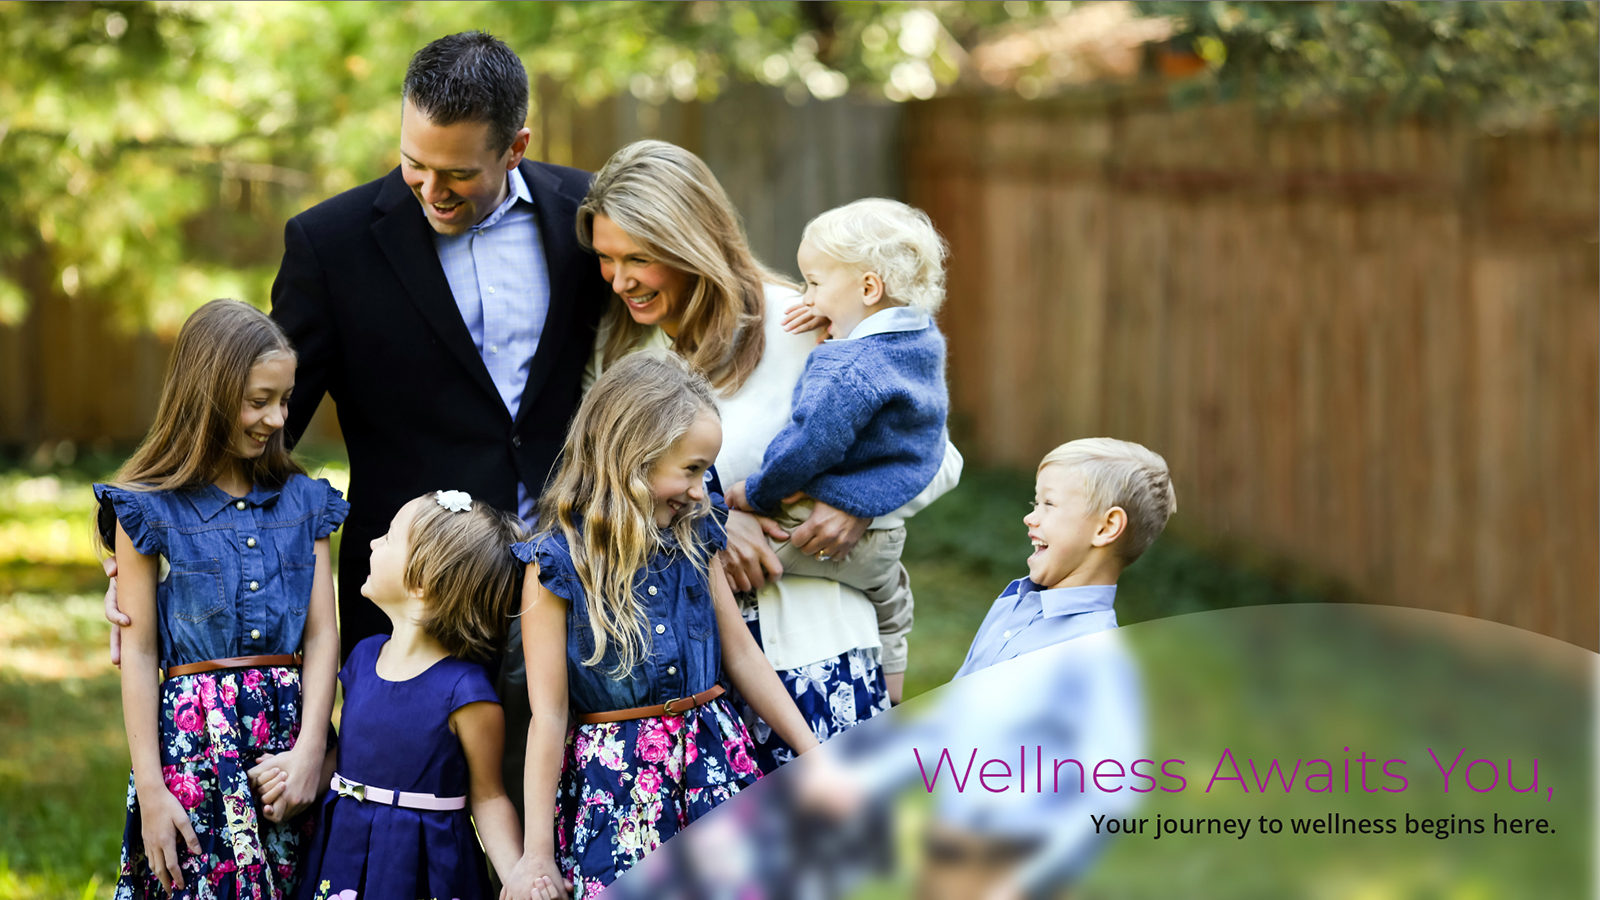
407 240
566 261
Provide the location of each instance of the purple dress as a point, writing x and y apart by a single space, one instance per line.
396 735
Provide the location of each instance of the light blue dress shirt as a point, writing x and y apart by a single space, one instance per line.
1027 617
501 283
895 318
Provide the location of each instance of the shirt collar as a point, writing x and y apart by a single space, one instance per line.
895 318
519 191
208 500
1071 600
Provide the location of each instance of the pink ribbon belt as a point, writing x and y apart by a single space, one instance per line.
368 794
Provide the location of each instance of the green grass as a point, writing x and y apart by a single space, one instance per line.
63 759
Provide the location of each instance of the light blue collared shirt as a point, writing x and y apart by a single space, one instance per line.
895 318
1027 617
501 283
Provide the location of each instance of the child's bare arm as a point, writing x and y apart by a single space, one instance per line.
544 648
482 730
163 820
751 672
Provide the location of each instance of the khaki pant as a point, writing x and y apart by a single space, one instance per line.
873 568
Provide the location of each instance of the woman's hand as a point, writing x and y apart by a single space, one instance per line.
114 614
828 532
799 319
749 560
161 819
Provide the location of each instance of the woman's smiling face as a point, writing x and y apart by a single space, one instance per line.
654 292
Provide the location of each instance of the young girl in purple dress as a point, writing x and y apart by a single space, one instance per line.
221 545
629 625
421 730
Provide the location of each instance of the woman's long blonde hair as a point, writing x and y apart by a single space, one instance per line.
197 418
601 499
669 203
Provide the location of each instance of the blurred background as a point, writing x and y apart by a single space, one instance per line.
1337 262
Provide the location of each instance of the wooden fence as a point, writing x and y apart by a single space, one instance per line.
1371 349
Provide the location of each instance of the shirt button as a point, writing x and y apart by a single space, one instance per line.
494 348
249 542
491 288
255 585
255 634
516 441
652 590
238 504
1007 634
672 670
661 629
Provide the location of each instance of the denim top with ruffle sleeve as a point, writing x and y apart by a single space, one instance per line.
239 569
684 654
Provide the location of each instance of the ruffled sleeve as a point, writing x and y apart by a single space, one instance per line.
472 687
333 512
712 531
131 509
556 571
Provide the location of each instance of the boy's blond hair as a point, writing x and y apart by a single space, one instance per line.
896 242
1125 474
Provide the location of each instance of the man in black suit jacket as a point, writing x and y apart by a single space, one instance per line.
426 400
365 299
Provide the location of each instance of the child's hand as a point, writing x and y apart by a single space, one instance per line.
536 878
286 783
799 319
735 498
161 817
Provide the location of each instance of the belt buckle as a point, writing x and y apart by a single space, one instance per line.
667 706
352 790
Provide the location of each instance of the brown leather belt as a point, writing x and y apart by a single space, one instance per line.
670 708
236 662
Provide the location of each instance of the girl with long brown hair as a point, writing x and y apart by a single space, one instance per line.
628 623
221 544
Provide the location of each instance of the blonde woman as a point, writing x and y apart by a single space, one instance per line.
673 248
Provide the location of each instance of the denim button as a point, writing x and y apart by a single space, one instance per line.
250 542
652 590
672 670
239 504
661 629
255 585
255 634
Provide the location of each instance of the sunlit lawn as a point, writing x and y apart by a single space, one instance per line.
63 759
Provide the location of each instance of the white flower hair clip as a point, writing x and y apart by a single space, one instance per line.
455 501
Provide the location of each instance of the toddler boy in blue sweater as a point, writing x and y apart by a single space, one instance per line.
867 428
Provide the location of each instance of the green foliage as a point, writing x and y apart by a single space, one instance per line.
149 152
1509 63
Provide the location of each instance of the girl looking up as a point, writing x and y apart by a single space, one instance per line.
421 730
221 544
628 623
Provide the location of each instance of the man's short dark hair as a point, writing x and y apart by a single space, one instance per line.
470 77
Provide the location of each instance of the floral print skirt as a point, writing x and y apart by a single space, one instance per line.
833 696
214 725
628 786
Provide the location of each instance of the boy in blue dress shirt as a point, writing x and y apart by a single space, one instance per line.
1098 504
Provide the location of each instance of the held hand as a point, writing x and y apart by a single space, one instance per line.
287 783
162 819
114 614
535 876
828 532
799 319
749 559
